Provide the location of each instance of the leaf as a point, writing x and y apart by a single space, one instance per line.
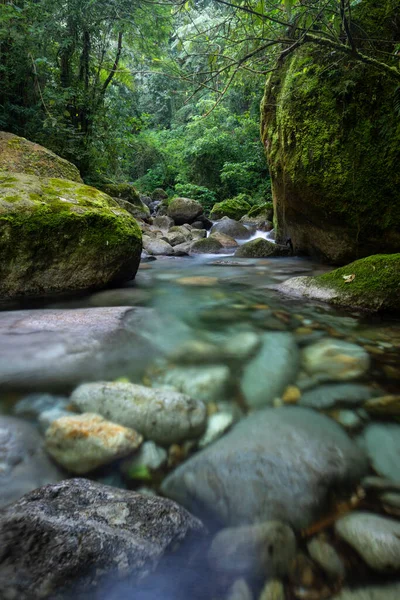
349 278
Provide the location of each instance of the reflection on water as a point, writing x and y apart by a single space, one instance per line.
213 328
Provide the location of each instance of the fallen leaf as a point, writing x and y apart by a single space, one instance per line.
349 278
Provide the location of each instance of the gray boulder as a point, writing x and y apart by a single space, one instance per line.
382 444
207 246
75 537
157 247
271 370
163 222
24 465
163 416
232 228
261 248
59 348
336 395
184 210
277 464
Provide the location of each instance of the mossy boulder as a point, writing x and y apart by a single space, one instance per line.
18 155
184 210
159 194
266 209
128 198
208 245
58 236
332 139
234 208
371 283
261 248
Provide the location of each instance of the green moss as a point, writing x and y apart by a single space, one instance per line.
332 141
124 191
57 237
261 209
234 208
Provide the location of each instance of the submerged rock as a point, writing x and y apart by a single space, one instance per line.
62 347
62 236
163 416
81 443
273 368
184 210
277 464
261 248
207 384
74 538
18 155
333 359
375 538
265 549
333 395
384 591
325 555
24 465
382 443
232 228
375 287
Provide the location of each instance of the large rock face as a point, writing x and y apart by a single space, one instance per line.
57 235
332 139
277 464
78 536
21 156
55 348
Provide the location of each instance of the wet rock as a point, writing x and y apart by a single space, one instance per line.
157 247
72 539
225 240
384 406
182 249
380 484
175 238
197 234
273 368
24 465
163 416
184 210
325 555
335 359
265 549
336 395
375 538
239 591
348 419
261 248
195 352
47 417
149 457
81 443
208 245
382 443
241 347
231 228
139 210
390 499
276 464
59 348
163 222
197 281
121 297
273 590
33 405
388 591
207 384
217 425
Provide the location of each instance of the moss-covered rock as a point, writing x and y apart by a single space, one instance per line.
58 235
18 155
374 287
258 210
128 198
159 194
332 139
234 208
184 210
208 245
261 248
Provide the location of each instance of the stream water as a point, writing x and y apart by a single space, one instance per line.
216 302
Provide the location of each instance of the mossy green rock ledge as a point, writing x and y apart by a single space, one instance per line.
58 235
234 208
22 156
375 286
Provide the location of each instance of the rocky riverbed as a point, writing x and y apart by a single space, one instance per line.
195 434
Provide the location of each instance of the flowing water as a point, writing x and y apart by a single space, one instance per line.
218 300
